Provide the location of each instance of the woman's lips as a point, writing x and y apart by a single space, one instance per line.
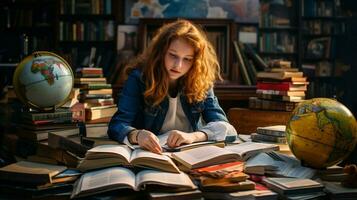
174 71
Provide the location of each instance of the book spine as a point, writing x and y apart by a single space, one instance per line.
273 86
47 116
270 132
243 69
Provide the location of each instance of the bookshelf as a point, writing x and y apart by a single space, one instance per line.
25 26
279 33
324 26
86 32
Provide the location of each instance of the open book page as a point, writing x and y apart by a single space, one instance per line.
107 151
144 158
248 149
104 180
204 156
105 156
147 177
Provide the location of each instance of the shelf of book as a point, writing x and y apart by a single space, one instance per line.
86 32
279 31
324 33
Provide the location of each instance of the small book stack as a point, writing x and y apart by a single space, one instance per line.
280 87
274 134
36 180
35 125
295 188
96 94
227 177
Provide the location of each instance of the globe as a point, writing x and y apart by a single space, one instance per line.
321 132
43 81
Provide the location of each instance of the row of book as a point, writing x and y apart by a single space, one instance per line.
96 7
100 30
279 88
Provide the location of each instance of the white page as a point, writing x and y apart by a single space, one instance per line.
163 178
123 150
106 177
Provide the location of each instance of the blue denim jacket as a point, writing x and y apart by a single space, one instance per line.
134 113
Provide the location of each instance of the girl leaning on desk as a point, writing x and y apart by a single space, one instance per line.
169 90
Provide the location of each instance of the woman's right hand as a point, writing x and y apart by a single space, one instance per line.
148 140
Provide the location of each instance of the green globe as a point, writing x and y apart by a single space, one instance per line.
43 81
321 132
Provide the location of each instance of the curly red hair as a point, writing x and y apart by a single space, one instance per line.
196 82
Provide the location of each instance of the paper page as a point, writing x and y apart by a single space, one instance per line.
141 153
201 154
163 178
248 149
123 150
107 177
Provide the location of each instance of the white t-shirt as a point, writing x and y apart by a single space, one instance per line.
175 118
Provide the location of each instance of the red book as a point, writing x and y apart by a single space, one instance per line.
282 86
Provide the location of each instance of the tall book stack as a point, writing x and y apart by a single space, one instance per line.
96 94
280 87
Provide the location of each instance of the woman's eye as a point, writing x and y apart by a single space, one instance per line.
172 55
188 59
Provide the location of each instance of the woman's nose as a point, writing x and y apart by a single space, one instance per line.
178 63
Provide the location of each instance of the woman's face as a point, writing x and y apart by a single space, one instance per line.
178 59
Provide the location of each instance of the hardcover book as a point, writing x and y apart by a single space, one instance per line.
30 172
114 155
256 137
282 86
293 186
119 178
279 75
211 155
275 130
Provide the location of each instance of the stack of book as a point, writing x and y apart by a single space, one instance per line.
280 87
35 125
227 177
296 188
36 180
96 94
274 134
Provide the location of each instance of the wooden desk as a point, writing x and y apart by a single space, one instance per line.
246 121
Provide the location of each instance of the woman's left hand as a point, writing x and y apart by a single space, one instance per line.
177 138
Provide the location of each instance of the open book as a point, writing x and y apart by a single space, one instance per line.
119 178
114 155
211 155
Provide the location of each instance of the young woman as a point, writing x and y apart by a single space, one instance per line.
169 90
